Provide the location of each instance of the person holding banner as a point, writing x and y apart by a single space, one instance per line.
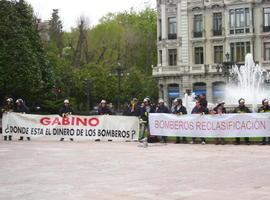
219 110
265 108
65 111
21 108
242 109
103 108
199 109
161 108
8 107
179 110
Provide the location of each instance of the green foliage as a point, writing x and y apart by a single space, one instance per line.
47 78
25 70
55 29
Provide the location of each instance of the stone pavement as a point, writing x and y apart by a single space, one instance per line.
49 170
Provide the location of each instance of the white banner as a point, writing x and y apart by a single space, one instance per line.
103 127
225 125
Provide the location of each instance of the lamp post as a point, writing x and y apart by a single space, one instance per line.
226 67
119 73
87 87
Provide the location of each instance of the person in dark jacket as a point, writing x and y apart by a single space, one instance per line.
199 109
145 110
179 110
203 100
104 109
265 108
219 110
21 108
242 109
65 111
8 107
134 109
161 108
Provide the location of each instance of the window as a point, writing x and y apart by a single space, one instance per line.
217 24
172 57
239 51
218 54
232 18
198 27
267 51
239 21
160 29
266 20
172 30
199 55
160 57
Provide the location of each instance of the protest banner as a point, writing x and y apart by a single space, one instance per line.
225 125
103 127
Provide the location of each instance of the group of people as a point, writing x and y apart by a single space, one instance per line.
18 107
142 110
200 107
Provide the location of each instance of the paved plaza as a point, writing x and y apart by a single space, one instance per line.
50 170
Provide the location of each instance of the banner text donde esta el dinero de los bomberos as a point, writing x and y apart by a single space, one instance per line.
116 128
226 125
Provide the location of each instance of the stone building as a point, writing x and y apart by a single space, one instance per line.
43 29
198 39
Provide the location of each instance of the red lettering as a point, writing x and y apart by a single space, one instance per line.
81 121
45 121
65 121
93 121
56 121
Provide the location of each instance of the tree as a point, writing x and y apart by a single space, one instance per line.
25 70
56 30
81 54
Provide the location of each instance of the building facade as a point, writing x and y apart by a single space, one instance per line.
196 38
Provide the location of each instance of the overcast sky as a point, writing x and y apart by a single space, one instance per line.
71 10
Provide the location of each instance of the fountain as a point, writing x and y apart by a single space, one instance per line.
248 82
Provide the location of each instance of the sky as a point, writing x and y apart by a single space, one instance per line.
71 10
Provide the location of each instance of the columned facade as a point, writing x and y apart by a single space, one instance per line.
196 37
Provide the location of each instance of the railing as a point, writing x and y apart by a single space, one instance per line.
172 36
178 70
217 32
197 34
266 28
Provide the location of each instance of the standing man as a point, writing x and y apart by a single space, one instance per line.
64 112
203 100
134 108
8 107
219 110
242 109
189 100
145 110
104 109
264 109
21 108
162 109
199 109
179 110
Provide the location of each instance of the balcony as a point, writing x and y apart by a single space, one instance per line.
169 70
197 34
266 28
217 32
199 69
172 36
